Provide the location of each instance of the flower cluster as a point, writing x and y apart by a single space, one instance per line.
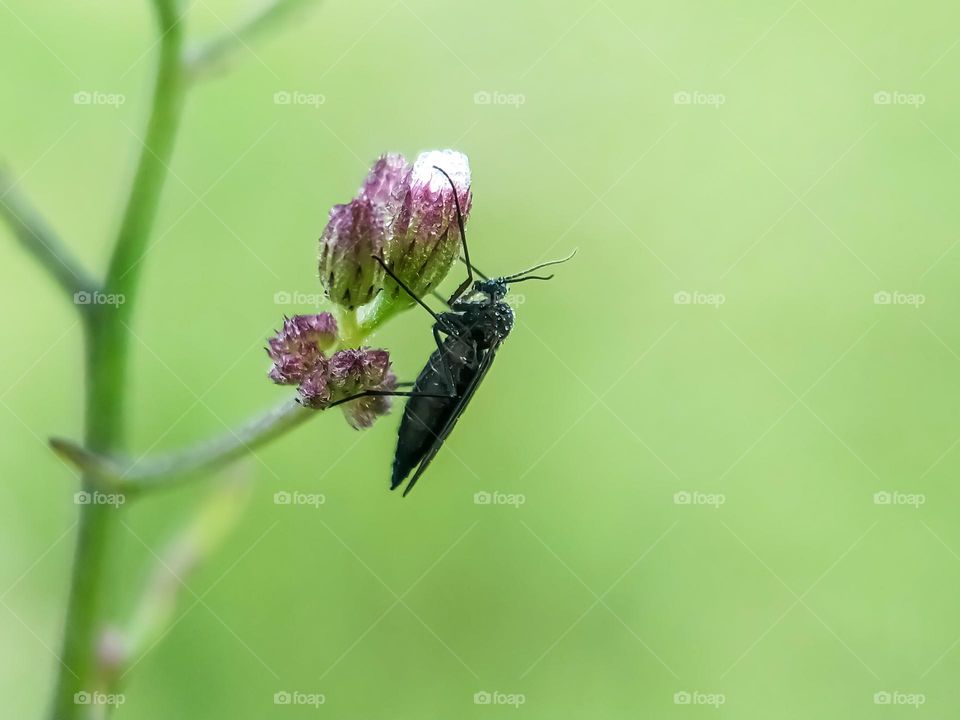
297 350
354 371
405 214
299 354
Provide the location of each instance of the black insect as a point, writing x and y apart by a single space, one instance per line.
468 336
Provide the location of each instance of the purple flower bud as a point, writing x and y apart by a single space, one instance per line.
291 369
314 390
424 241
354 371
297 349
386 180
355 233
362 413
300 330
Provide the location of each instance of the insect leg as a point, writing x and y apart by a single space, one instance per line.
444 369
448 376
463 238
445 300
475 268
408 291
440 297
388 393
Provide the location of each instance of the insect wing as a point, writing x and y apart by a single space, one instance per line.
486 361
423 416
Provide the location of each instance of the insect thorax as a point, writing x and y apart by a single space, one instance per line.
486 323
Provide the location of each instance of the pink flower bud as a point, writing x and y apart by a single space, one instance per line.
355 371
297 349
354 234
424 241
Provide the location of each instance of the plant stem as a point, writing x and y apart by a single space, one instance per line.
383 308
213 518
41 241
107 331
113 472
123 474
350 335
107 341
217 51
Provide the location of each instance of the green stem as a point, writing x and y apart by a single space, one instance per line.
107 342
193 544
349 329
267 19
123 474
141 209
107 328
40 240
384 307
115 472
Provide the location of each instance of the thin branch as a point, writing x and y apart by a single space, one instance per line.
154 161
268 19
41 241
131 475
122 647
106 362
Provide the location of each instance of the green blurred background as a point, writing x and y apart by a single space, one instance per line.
785 188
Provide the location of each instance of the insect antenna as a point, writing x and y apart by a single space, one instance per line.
519 275
532 277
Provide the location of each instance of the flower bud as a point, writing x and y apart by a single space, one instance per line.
298 348
354 371
314 390
386 180
363 412
355 233
424 239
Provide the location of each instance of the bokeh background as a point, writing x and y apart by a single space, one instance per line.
744 505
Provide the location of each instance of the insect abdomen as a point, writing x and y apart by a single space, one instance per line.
425 417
